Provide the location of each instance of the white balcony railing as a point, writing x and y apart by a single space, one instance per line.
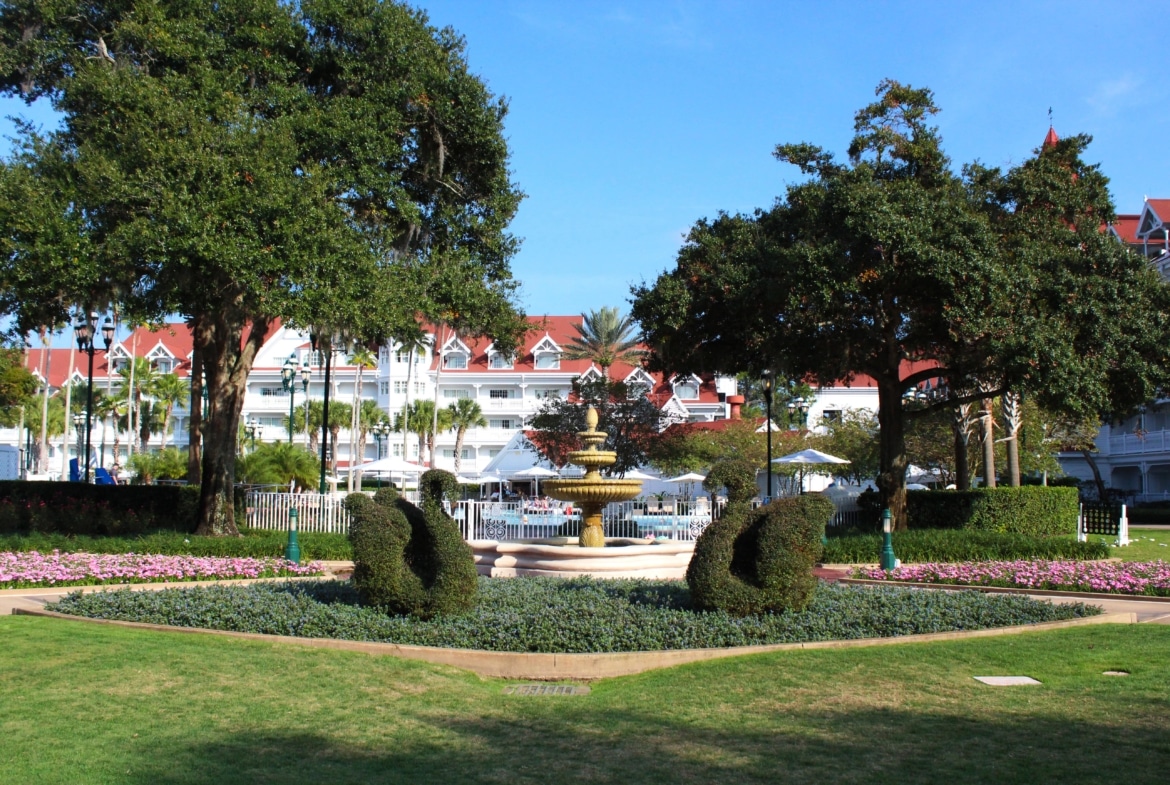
1134 444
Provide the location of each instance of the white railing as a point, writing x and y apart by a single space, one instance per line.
486 520
1131 443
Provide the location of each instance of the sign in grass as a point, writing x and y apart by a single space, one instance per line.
33 569
1149 578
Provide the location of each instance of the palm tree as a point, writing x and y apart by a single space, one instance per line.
339 417
413 343
137 377
150 420
605 337
369 415
362 358
167 391
279 463
419 418
464 413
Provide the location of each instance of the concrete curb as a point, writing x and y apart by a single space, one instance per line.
1072 595
584 667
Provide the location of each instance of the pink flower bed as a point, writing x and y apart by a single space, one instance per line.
1148 578
27 569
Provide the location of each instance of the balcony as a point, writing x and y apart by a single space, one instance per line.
1133 444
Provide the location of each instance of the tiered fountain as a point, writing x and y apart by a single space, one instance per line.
592 554
592 492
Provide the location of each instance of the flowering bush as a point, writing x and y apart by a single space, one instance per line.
1148 578
31 568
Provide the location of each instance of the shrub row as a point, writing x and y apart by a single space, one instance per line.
949 545
1036 510
254 544
78 508
555 615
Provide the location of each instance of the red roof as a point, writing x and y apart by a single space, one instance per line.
1125 227
1050 139
1160 208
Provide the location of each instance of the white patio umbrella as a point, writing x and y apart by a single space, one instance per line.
534 474
807 458
388 465
634 474
687 479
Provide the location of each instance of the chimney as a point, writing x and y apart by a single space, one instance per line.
735 401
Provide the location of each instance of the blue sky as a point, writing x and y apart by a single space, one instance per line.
631 120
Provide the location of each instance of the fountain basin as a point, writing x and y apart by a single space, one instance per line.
561 557
586 490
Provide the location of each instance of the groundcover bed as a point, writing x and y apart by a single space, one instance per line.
580 615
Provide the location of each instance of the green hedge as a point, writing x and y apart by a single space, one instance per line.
1038 511
955 545
96 510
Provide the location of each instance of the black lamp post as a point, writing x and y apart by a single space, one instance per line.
799 406
84 331
768 412
253 429
326 343
288 382
381 431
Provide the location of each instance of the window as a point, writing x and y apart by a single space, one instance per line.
273 392
396 449
163 366
831 415
402 357
541 393
383 388
499 361
548 361
686 391
400 388
493 452
499 395
456 394
450 453
504 423
419 388
455 361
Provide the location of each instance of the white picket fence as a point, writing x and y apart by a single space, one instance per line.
485 520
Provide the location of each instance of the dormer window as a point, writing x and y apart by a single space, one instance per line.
499 362
686 388
592 375
546 355
163 366
456 355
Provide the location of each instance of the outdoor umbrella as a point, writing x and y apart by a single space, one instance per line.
808 457
534 474
687 479
634 474
388 465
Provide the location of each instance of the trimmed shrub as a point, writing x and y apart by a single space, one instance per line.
737 475
956 545
76 508
1038 511
754 561
407 560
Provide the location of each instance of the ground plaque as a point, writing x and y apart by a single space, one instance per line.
546 689
1006 681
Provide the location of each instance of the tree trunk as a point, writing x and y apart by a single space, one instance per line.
68 418
988 425
962 462
459 434
195 424
227 361
1011 424
892 474
1101 492
43 446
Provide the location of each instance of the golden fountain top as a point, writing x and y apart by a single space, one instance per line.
592 486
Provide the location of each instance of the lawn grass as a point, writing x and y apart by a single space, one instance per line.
1144 545
98 704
